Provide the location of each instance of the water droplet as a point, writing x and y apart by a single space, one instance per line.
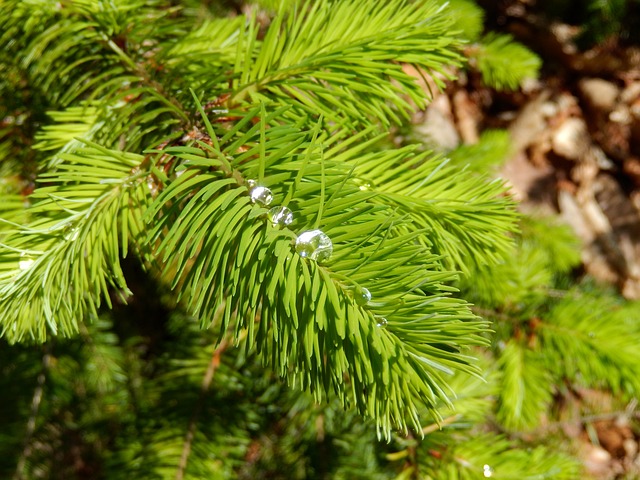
153 186
364 184
487 471
592 335
133 180
261 195
314 244
26 261
382 322
251 183
280 216
362 295
220 111
69 233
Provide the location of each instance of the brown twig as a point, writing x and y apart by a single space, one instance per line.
36 400
191 431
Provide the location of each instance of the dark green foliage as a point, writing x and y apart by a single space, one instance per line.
599 20
133 134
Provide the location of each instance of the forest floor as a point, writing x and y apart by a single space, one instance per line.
575 154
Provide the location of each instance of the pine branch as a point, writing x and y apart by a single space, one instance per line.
78 233
372 321
490 152
317 304
338 59
503 63
596 340
526 387
467 18
77 46
488 455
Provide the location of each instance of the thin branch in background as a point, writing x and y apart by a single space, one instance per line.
35 408
206 384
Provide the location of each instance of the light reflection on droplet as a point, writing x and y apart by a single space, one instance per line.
364 184
261 195
152 186
382 322
70 233
280 216
487 471
314 244
26 261
362 295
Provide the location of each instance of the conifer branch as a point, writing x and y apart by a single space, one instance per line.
374 322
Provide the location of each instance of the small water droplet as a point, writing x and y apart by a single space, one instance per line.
69 233
251 183
220 111
592 335
487 471
261 195
133 178
153 186
280 216
364 184
362 295
314 244
382 322
26 261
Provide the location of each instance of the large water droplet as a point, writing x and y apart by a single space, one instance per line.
26 261
487 471
280 216
314 244
382 322
362 295
261 195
